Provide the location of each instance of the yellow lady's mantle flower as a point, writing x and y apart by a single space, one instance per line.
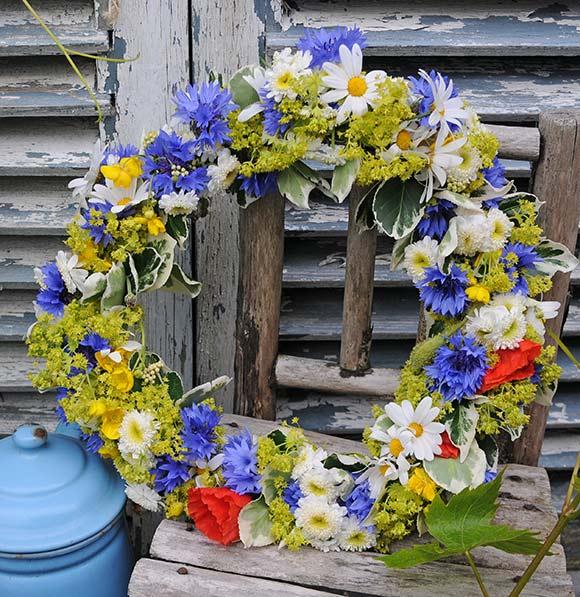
422 484
124 172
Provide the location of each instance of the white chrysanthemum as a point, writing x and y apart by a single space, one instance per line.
81 187
466 172
307 459
381 471
137 432
182 203
223 173
349 86
356 537
73 276
323 483
499 228
143 495
497 326
512 301
419 256
287 66
120 197
425 440
325 546
318 519
472 234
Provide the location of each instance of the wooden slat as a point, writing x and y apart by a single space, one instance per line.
557 182
14 368
259 296
44 103
524 502
153 577
355 342
424 28
21 408
312 374
559 450
57 147
517 142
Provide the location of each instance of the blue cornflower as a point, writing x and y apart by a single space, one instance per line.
97 224
205 110
489 476
324 44
168 164
199 435
422 88
359 502
91 344
92 441
240 464
53 295
118 152
258 185
527 257
495 174
169 474
458 368
272 115
292 494
59 410
444 293
435 220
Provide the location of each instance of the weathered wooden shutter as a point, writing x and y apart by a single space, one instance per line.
512 61
47 131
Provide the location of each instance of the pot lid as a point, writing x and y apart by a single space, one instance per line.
53 493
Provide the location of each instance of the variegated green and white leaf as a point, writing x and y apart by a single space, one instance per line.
203 391
179 282
461 427
343 178
255 524
397 207
243 93
448 243
295 187
398 252
165 246
556 257
93 286
114 293
364 216
144 269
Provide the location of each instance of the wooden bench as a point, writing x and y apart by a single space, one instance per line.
184 562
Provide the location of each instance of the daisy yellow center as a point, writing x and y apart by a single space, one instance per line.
417 429
135 432
319 522
357 86
404 140
384 469
395 446
284 80
124 201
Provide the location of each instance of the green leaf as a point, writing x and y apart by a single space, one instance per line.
461 427
415 556
144 269
255 524
397 207
489 446
243 93
179 282
174 386
165 246
199 393
448 243
453 475
556 257
471 203
116 286
398 252
94 286
269 478
343 178
178 228
295 187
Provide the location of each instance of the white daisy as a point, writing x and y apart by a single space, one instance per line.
425 440
137 432
223 173
318 519
356 537
538 312
419 256
143 495
381 471
73 276
120 197
395 440
350 87
81 187
446 110
499 228
308 458
257 80
182 203
287 66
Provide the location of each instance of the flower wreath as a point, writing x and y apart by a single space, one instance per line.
471 245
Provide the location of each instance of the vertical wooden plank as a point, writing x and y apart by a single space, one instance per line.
557 182
259 296
361 248
158 31
224 37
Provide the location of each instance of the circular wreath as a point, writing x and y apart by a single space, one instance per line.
471 245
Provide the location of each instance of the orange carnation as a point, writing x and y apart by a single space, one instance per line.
215 511
514 364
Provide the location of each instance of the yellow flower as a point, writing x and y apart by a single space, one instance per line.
122 378
112 420
477 292
109 452
124 172
155 226
422 484
97 408
174 510
404 140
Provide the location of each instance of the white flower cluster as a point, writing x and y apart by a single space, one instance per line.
481 232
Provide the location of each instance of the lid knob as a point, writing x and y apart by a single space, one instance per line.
29 437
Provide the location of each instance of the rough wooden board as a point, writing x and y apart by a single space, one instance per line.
56 146
18 409
44 103
54 12
152 577
225 35
14 368
559 449
348 572
415 28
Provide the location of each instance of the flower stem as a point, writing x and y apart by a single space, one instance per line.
563 347
476 573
